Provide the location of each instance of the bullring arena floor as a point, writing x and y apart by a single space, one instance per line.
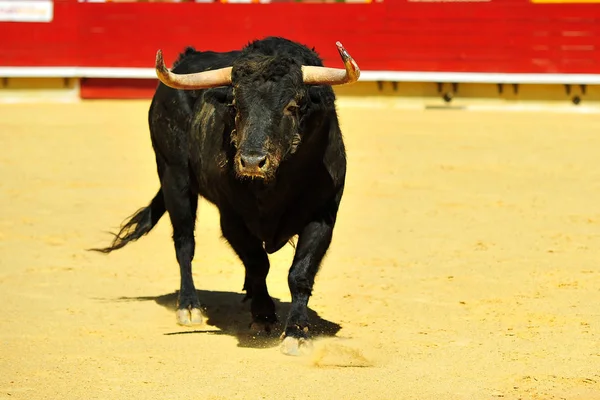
465 264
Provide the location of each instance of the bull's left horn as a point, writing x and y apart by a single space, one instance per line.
332 76
198 80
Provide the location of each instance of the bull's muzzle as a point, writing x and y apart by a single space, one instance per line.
253 164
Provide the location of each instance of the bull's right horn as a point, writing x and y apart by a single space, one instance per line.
198 80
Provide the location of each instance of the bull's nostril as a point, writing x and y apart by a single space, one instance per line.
242 162
262 162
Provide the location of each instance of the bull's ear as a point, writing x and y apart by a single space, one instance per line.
221 94
315 94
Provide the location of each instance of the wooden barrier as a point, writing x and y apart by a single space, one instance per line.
402 40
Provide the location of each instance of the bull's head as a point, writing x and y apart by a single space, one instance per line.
269 97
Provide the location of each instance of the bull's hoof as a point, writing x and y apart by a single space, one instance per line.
189 316
258 328
292 346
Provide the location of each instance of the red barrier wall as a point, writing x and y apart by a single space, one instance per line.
396 35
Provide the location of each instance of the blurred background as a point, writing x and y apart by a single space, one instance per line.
509 50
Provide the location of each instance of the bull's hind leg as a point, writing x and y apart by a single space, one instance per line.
256 262
182 204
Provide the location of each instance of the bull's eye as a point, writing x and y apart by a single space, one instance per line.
291 108
232 108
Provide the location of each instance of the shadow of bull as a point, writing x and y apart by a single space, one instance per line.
227 312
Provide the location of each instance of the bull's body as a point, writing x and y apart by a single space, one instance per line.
193 136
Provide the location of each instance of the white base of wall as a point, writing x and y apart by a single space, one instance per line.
391 76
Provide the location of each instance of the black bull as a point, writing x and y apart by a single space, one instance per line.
256 133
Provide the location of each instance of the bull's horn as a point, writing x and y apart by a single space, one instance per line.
198 80
332 76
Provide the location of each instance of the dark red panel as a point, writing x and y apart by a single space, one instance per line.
101 88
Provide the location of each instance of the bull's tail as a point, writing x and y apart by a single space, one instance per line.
138 224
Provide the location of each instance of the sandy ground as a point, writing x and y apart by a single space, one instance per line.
465 265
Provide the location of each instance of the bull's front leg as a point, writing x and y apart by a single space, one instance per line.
313 243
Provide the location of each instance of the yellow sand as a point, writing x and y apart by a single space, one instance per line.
465 265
